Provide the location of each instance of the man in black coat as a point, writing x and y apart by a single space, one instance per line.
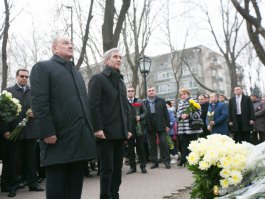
59 103
20 153
204 110
241 115
109 111
138 125
157 125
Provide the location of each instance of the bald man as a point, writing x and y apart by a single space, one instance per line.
59 103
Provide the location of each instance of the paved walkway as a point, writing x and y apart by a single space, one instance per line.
153 185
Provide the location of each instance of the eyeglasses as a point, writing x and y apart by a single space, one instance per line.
24 76
130 91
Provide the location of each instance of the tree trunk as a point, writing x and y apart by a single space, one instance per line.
4 46
85 38
110 38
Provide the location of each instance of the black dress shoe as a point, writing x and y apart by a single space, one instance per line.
12 193
35 188
131 171
155 165
167 165
144 170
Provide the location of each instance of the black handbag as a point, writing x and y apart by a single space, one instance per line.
195 122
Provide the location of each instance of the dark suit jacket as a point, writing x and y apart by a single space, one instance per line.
59 103
162 117
220 118
247 113
108 104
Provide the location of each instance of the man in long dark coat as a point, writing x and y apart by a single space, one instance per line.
109 110
20 153
59 103
241 115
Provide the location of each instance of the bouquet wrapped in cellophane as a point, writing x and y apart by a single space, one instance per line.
252 185
9 107
16 132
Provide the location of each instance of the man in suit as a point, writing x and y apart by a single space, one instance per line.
59 103
204 102
218 123
157 124
241 115
109 111
138 119
20 154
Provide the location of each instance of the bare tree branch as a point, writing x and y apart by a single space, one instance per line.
85 38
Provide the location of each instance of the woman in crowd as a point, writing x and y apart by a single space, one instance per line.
172 132
185 133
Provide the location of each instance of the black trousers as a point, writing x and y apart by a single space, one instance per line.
241 135
64 181
111 161
164 149
139 143
184 141
20 160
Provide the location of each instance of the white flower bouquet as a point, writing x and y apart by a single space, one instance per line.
9 107
253 184
217 162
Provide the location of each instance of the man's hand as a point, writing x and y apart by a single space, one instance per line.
212 123
129 135
167 129
6 135
251 122
30 114
230 123
138 118
50 140
100 134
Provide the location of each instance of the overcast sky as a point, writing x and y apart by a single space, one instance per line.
41 13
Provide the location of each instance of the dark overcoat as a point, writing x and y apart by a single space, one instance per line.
260 117
29 131
108 104
59 103
162 117
247 113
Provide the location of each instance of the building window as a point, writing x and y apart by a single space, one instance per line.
163 88
186 70
188 83
164 75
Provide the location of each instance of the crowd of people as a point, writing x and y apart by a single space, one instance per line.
69 128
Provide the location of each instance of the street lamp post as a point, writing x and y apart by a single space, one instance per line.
71 26
144 64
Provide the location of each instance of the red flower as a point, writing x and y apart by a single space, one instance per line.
136 104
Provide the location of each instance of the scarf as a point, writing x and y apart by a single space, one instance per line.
151 104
